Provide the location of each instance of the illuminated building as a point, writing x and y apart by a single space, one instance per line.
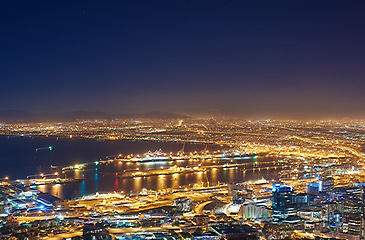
330 214
3 203
325 184
95 231
283 204
312 188
277 231
182 204
238 197
253 211
351 206
353 213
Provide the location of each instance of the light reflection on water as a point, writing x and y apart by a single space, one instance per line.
107 177
83 188
116 183
96 181
56 190
161 182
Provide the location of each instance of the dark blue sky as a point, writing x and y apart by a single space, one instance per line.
244 57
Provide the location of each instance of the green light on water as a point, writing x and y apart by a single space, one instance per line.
255 158
50 148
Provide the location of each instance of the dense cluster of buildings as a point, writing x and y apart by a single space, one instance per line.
319 194
323 210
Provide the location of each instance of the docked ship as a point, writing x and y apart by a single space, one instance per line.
158 155
235 153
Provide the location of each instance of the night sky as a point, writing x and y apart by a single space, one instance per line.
250 58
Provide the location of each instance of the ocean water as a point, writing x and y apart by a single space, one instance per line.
19 159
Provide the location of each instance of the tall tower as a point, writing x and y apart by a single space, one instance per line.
283 204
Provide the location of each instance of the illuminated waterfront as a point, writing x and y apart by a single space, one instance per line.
67 151
103 178
182 120
236 173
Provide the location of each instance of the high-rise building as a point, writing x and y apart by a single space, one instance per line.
283 204
326 184
312 188
351 206
353 212
3 203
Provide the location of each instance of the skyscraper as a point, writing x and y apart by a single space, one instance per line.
326 184
283 204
